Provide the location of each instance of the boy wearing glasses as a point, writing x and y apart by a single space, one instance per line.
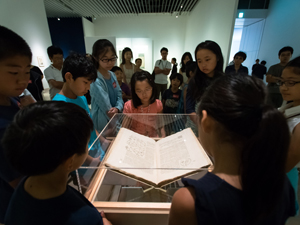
273 75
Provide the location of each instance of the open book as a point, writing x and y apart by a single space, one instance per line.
138 156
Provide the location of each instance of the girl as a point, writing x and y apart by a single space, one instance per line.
290 91
174 68
248 141
191 67
143 101
127 66
184 59
105 91
209 58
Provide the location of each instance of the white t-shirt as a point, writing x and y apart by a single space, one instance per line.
161 78
51 73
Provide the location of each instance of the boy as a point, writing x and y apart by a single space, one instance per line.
126 93
273 75
45 144
78 73
53 72
237 68
15 60
171 96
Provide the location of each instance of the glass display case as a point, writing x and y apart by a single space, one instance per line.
126 199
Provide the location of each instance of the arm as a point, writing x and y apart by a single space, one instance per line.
183 207
157 70
166 71
56 84
294 149
272 79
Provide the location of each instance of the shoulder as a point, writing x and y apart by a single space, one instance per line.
59 97
128 107
183 207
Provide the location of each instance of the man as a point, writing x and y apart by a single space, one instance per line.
259 70
162 70
238 68
273 75
53 72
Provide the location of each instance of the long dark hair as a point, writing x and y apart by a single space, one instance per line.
201 81
123 54
238 104
182 59
141 76
100 48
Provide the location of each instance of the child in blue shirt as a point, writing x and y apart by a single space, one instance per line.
105 92
45 142
15 60
78 73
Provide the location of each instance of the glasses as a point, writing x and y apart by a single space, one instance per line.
287 83
108 60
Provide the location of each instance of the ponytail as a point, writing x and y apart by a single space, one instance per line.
263 164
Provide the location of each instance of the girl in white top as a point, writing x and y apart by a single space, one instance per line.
290 91
184 59
127 66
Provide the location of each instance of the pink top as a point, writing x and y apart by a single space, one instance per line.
146 124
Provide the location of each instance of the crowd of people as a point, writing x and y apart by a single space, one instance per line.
254 145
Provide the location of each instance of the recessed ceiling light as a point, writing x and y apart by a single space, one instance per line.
58 18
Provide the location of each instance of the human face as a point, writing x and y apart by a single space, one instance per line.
285 57
112 60
57 60
80 86
128 56
119 75
186 59
175 83
164 55
238 60
143 91
138 63
207 61
14 75
290 93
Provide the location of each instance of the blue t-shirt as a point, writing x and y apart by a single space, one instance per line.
70 208
217 202
7 173
81 101
111 86
171 101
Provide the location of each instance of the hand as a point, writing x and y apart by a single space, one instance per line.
112 112
25 101
105 221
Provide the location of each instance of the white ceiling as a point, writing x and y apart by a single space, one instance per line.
115 8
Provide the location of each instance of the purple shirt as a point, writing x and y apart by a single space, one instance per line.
126 90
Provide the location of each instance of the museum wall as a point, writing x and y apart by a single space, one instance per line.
281 29
28 19
211 20
164 30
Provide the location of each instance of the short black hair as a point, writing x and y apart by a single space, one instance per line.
44 135
141 76
285 49
178 76
79 66
116 68
138 59
164 49
191 66
11 44
242 54
53 50
174 59
263 62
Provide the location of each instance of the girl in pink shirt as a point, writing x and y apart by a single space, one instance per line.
143 101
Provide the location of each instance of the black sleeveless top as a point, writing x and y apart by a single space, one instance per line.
217 202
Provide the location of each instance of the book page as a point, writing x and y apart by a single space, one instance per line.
182 153
131 150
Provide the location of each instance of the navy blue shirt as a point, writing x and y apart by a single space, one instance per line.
259 70
70 208
7 173
217 202
171 101
230 70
